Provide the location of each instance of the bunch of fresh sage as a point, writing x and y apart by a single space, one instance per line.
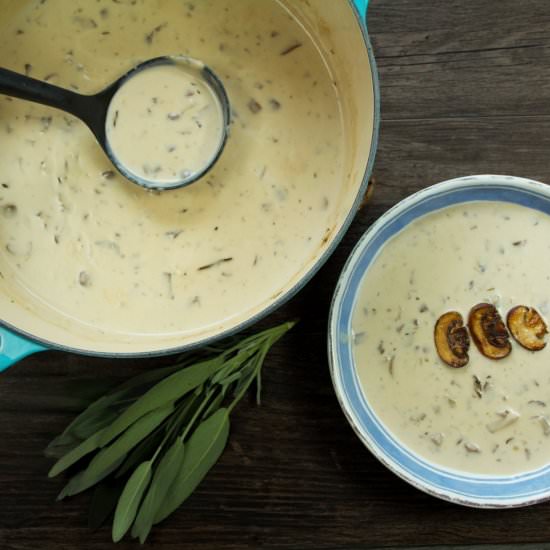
147 444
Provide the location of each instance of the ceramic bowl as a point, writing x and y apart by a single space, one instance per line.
483 491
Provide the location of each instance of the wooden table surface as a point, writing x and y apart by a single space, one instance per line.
465 89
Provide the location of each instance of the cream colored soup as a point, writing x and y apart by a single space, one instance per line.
105 254
451 260
165 123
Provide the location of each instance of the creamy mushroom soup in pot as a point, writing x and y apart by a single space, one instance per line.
91 261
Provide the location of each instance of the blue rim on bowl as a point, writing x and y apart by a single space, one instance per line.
481 491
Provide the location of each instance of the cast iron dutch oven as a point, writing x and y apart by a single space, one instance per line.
340 22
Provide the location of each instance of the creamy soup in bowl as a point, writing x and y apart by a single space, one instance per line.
477 432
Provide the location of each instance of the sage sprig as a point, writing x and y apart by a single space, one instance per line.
148 443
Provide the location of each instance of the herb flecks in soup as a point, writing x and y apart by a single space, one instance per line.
489 417
110 256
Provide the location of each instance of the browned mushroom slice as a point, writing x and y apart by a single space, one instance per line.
451 339
489 331
527 327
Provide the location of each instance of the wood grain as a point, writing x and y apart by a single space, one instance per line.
465 90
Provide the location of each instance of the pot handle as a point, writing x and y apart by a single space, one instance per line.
361 6
14 348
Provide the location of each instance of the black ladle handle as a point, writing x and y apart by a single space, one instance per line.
91 109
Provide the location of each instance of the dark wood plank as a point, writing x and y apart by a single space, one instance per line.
462 57
465 88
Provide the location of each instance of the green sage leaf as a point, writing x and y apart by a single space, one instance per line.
66 491
130 499
111 404
103 503
73 456
259 387
226 382
90 413
164 477
147 378
167 391
204 448
109 458
186 407
132 425
91 425
225 371
214 406
142 452
248 372
80 483
187 411
61 445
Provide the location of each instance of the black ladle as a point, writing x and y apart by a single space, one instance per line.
93 109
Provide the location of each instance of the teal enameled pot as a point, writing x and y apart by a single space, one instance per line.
339 26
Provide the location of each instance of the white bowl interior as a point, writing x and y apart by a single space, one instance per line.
456 486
